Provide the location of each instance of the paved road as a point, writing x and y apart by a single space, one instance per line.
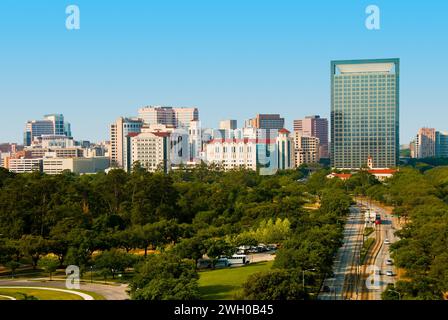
388 228
109 292
345 257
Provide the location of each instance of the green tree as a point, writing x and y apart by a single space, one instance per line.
50 264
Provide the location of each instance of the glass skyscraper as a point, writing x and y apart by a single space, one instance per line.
365 113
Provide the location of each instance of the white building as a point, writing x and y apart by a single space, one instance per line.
285 147
54 166
151 150
233 153
23 165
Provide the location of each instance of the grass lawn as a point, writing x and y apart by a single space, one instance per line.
39 294
223 284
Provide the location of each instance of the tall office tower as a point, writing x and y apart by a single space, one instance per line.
53 124
266 121
365 113
120 132
306 149
58 123
285 150
169 116
441 144
314 126
425 143
37 128
228 125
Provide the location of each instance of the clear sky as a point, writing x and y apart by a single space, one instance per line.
230 58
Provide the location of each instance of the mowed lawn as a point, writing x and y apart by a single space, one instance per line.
223 284
39 294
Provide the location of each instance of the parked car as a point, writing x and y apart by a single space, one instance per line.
390 273
389 262
387 241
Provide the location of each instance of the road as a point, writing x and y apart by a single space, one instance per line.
109 292
387 230
345 265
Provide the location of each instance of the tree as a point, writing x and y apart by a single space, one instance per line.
274 285
33 247
165 277
113 261
50 264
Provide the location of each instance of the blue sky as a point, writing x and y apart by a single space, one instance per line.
230 58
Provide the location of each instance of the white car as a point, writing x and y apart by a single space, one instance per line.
389 262
390 273
387 241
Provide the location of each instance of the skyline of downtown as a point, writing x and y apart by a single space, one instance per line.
220 57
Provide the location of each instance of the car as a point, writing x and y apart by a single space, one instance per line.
389 262
390 273
387 241
326 289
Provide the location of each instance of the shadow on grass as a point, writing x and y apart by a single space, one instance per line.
218 292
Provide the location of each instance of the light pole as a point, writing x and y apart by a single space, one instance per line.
303 277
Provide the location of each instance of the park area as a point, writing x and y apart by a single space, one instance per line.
225 284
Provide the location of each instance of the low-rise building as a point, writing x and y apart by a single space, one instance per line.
25 165
54 166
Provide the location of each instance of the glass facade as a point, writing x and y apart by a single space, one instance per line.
365 113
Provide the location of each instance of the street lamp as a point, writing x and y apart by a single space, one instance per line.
303 277
91 274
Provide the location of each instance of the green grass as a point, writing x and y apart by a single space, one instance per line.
39 294
224 284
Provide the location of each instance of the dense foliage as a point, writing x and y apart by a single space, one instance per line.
99 220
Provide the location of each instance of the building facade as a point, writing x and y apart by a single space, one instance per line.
307 149
266 121
365 113
151 150
315 126
168 116
119 152
425 143
285 150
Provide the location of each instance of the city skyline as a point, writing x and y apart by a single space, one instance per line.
114 65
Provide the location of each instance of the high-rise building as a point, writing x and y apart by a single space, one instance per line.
151 150
168 116
119 152
61 127
425 143
37 128
429 143
53 124
365 113
266 121
306 149
314 126
441 144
